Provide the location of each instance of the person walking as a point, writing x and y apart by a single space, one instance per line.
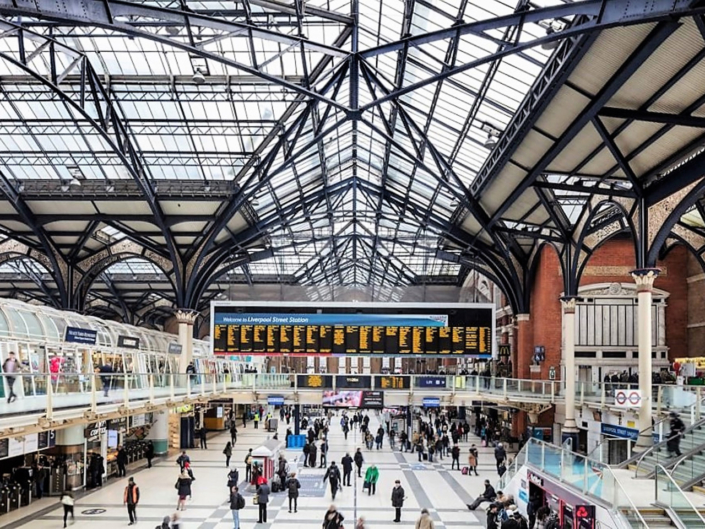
166 523
203 434
228 453
183 489
10 367
292 486
244 419
121 460
397 500
105 371
263 492
371 478
359 460
233 433
149 453
333 476
131 498
324 452
248 466
424 521
183 459
455 454
333 519
237 503
500 454
67 502
347 463
674 436
472 461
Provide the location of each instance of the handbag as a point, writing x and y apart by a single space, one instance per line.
255 499
67 500
366 485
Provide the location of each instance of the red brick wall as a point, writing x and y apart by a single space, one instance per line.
611 263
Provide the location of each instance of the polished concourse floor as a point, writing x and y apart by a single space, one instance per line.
433 486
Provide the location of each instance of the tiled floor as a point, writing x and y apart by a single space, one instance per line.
434 486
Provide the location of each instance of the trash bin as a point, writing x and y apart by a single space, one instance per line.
272 425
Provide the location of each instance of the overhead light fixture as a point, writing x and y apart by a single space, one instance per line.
491 141
454 203
553 27
173 30
198 77
255 202
20 188
110 188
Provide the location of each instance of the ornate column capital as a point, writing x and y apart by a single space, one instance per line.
569 303
644 278
186 316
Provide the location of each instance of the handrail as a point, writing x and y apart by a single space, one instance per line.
674 484
692 427
624 492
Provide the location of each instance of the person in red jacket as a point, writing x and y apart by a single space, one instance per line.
131 498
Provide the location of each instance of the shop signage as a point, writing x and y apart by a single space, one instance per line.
16 447
504 350
46 439
186 408
174 348
31 443
128 342
432 402
275 400
392 382
585 516
620 431
372 399
95 430
361 382
536 480
627 398
139 420
524 496
431 382
78 335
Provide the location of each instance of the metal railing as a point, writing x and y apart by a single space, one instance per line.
689 443
674 499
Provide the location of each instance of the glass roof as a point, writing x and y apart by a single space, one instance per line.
361 197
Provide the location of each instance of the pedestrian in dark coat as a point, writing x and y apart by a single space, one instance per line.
397 500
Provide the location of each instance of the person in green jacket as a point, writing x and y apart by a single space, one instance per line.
371 478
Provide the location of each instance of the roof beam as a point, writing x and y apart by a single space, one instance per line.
653 117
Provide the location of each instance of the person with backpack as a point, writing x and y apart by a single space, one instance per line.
131 498
371 478
67 502
333 476
248 466
228 452
292 486
237 503
347 463
359 460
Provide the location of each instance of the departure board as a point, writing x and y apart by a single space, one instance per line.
373 329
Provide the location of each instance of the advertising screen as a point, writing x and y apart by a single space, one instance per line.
366 329
353 399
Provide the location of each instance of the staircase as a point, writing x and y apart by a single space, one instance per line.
653 516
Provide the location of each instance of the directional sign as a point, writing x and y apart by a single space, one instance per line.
627 398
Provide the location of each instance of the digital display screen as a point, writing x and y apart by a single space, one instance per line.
381 330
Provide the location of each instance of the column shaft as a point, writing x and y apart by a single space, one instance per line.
569 303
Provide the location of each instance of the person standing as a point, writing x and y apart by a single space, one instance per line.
248 466
293 485
121 460
204 439
105 371
183 459
371 478
263 492
455 454
347 463
149 453
346 429
397 500
244 419
312 455
359 460
333 476
472 460
183 489
10 367
131 498
228 452
233 433
67 502
500 454
333 519
256 421
324 452
424 521
237 503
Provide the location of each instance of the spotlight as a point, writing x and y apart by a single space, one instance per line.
491 141
173 30
255 202
198 77
454 203
550 30
110 188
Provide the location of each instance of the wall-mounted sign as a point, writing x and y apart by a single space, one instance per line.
31 443
505 350
431 382
16 447
187 408
4 448
619 431
175 348
392 382
627 398
46 439
360 382
585 516
78 335
432 402
314 381
275 400
128 342
95 430
139 420
552 373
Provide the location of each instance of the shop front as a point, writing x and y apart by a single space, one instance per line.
574 512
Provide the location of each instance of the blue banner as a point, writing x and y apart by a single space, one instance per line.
380 320
620 431
431 382
78 335
273 400
431 402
